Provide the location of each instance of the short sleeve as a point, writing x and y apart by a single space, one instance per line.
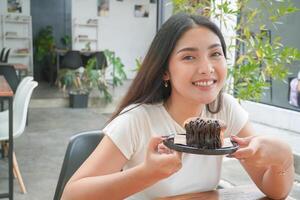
235 115
123 131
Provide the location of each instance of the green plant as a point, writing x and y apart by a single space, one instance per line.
118 73
66 41
138 64
83 80
87 46
258 59
44 44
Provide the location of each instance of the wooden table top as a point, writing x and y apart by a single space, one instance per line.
17 66
236 193
5 90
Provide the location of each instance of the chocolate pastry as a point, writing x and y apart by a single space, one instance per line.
204 133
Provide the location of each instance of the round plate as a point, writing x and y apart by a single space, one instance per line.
169 142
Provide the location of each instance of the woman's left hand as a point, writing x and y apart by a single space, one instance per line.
261 151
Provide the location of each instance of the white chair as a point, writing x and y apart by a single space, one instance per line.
20 109
23 82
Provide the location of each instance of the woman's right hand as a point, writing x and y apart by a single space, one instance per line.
161 163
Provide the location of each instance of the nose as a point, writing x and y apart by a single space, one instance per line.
206 66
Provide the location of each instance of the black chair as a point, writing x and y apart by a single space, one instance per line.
100 58
5 57
10 74
79 148
72 60
2 54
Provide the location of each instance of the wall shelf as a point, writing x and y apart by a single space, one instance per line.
16 22
16 38
84 33
20 54
87 25
16 31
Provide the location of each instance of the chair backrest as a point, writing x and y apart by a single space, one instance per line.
2 54
20 107
24 82
10 74
72 60
5 57
79 148
101 60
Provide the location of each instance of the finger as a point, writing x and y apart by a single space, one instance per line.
241 141
178 154
163 151
161 148
153 143
243 153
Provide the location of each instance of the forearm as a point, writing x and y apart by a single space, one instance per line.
112 186
277 181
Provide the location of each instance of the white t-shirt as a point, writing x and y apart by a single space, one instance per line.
132 130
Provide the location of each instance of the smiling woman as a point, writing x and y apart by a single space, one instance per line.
182 76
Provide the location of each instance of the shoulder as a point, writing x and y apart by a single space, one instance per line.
136 113
140 110
229 99
230 104
233 114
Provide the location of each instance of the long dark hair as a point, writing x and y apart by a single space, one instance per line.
147 87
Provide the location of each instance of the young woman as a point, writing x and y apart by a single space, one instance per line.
181 76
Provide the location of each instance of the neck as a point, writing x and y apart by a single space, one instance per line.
181 110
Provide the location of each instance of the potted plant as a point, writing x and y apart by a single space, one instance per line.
79 83
44 54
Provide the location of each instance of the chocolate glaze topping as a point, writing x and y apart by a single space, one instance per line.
204 134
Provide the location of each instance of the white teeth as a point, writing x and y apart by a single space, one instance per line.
203 83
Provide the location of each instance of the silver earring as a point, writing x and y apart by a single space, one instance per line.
166 84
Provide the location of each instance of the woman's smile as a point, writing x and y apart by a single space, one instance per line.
205 84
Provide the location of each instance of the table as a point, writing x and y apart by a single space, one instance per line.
19 68
7 93
249 192
62 52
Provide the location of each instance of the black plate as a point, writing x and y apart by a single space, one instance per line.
169 142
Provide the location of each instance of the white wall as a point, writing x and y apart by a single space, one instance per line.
120 31
273 116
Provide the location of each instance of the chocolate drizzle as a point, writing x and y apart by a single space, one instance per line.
204 134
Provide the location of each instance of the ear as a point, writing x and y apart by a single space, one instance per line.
166 76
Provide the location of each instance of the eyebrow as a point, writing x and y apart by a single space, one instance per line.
197 49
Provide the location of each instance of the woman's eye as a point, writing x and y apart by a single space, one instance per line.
188 58
216 54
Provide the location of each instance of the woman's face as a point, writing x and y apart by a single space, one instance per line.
197 67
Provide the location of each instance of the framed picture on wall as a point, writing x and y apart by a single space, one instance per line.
141 10
14 6
103 7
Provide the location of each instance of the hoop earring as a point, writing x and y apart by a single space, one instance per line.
166 84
